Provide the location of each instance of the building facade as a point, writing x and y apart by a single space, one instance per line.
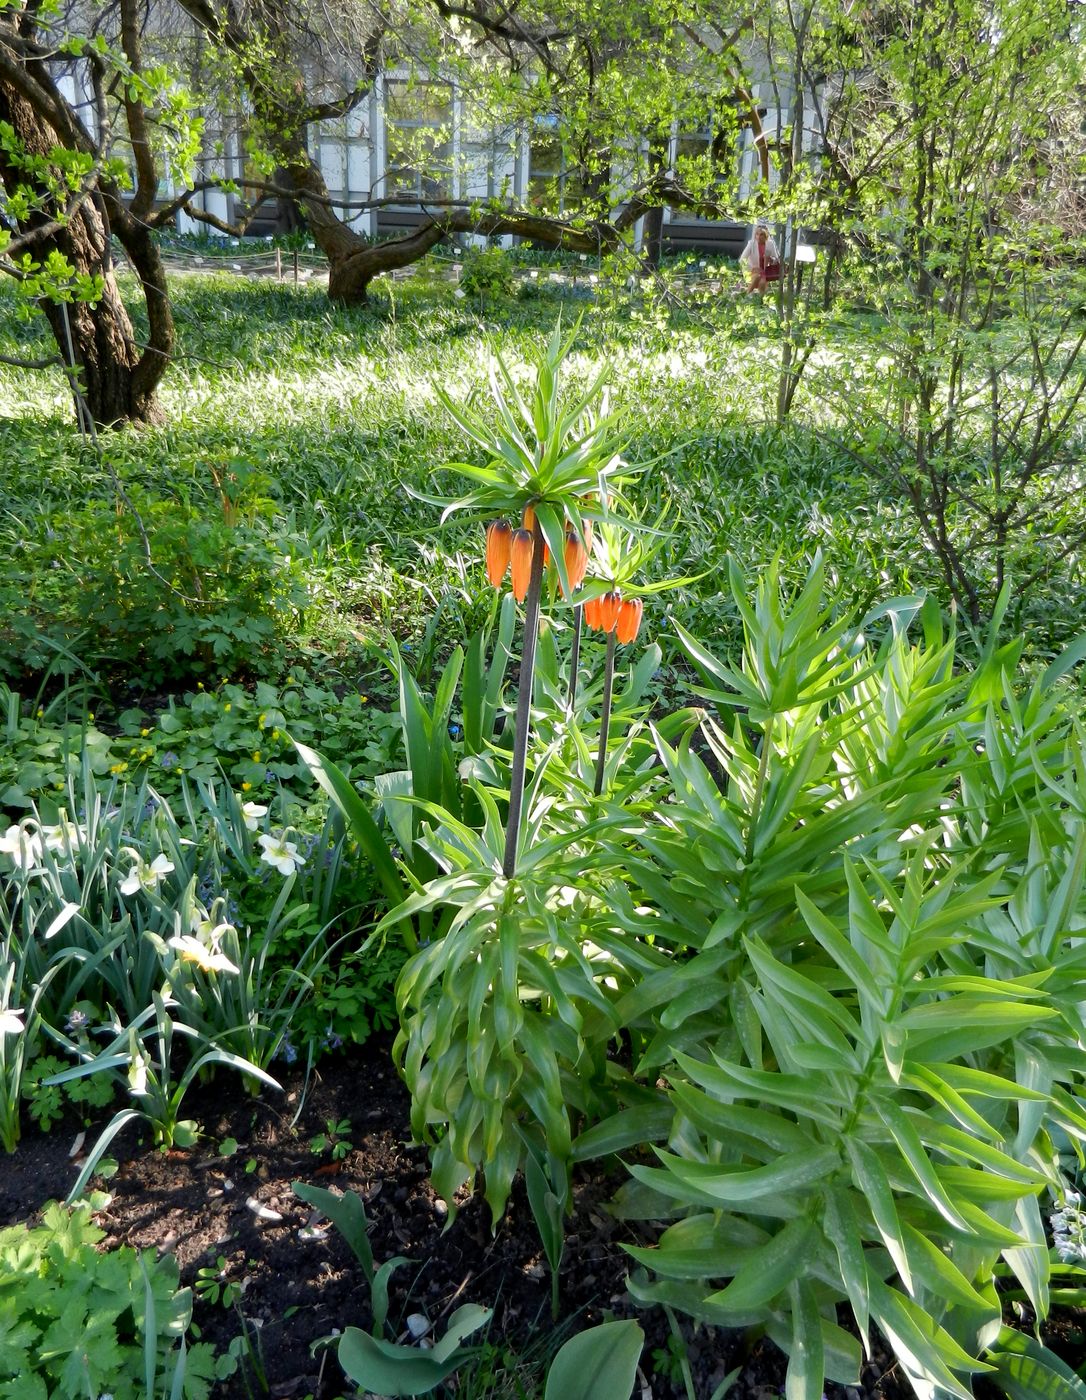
417 139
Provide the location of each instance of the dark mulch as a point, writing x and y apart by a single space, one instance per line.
296 1290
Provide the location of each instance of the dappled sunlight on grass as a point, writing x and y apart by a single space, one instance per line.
330 416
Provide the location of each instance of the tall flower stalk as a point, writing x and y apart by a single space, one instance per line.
524 703
554 454
575 655
621 552
605 712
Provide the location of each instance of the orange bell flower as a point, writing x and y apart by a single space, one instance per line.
521 550
629 619
591 613
608 614
499 539
576 558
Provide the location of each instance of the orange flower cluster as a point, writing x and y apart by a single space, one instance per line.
506 547
613 613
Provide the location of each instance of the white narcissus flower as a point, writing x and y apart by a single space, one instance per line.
137 1075
252 812
22 845
10 1022
64 837
207 959
281 853
143 876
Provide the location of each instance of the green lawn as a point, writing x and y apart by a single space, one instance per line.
313 424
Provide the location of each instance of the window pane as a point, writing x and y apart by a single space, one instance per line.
423 104
418 153
552 182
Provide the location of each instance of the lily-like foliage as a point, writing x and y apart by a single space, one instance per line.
506 1018
863 988
623 550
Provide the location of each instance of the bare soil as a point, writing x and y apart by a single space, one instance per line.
299 1279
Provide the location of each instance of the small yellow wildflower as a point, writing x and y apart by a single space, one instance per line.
275 734
144 733
245 787
227 705
199 685
262 720
256 756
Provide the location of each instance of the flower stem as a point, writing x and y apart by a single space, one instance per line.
575 655
524 704
605 715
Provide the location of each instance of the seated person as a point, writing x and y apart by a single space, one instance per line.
760 259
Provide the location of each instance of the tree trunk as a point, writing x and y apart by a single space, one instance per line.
652 238
353 261
96 341
350 272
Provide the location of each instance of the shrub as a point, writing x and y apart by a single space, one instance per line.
864 992
487 272
170 588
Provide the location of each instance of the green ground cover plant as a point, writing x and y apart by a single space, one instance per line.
79 1322
228 730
